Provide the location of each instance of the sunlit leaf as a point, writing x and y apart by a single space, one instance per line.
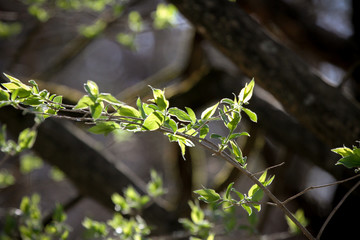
104 128
209 112
208 195
179 114
251 114
153 121
247 92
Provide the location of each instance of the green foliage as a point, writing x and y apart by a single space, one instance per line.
300 216
248 201
131 204
350 158
29 163
164 16
198 226
155 187
93 30
6 179
25 141
7 30
56 174
27 222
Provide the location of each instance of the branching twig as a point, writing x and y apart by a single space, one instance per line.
268 168
319 186
335 209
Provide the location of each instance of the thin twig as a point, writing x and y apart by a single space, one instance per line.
319 186
335 210
268 168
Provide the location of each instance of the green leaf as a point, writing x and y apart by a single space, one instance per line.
153 121
216 136
84 102
192 114
4 96
197 215
140 107
135 21
209 112
104 128
96 110
128 111
247 208
171 124
236 149
228 190
208 195
234 122
247 92
17 82
110 99
300 216
236 135
165 15
179 114
91 88
350 157
159 99
228 101
6 178
251 114
29 163
262 178
204 131
182 148
26 139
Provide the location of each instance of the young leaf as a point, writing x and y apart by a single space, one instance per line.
84 102
26 139
300 216
251 114
247 92
171 124
96 110
350 157
204 131
91 88
209 112
17 82
192 114
236 135
4 96
208 195
104 128
140 107
236 149
159 99
234 122
110 99
247 208
228 190
128 111
179 114
153 121
228 101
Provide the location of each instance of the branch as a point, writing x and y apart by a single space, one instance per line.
319 186
335 209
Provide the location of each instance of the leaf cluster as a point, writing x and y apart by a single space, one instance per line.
232 197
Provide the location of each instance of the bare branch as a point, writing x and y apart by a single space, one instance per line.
319 186
335 209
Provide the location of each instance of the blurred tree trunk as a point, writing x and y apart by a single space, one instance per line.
319 107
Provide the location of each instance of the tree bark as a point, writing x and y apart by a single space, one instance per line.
319 107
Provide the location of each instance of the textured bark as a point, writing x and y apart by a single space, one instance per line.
319 107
